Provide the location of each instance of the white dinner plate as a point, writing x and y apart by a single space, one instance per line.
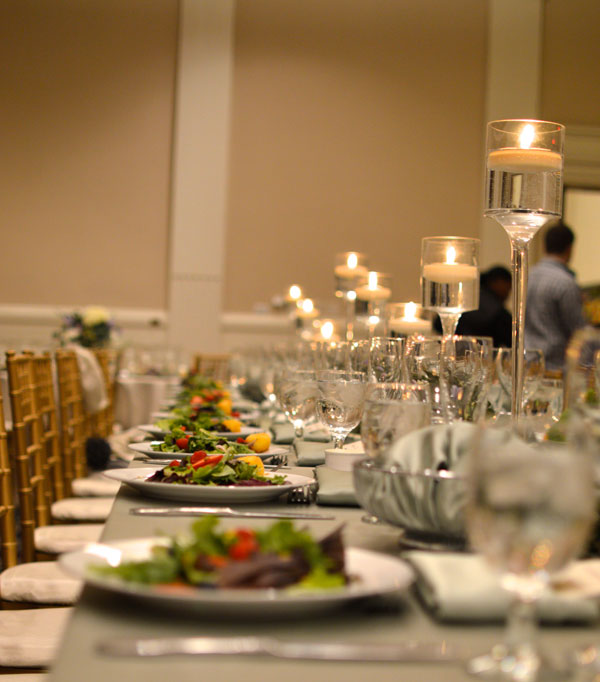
230 435
373 574
218 494
146 449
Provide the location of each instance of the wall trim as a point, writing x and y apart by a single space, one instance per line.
582 156
15 313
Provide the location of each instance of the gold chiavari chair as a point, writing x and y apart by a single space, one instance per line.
73 418
31 468
36 583
8 541
103 422
29 637
33 475
48 417
212 365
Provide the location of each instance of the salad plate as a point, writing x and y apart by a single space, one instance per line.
145 448
245 431
136 478
373 574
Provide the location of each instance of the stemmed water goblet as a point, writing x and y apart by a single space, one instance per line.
349 266
297 393
340 402
530 509
386 359
450 278
524 162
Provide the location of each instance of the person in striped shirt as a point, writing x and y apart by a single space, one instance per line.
554 300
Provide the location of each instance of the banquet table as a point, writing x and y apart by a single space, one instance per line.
100 614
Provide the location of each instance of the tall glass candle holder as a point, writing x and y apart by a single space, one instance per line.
450 278
349 266
524 165
406 319
374 289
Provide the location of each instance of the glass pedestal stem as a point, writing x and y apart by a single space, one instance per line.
350 316
518 255
449 323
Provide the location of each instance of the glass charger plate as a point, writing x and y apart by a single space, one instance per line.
146 449
372 574
245 431
226 494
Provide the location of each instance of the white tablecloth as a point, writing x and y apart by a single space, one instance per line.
137 397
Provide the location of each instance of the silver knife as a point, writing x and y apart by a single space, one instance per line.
226 511
408 652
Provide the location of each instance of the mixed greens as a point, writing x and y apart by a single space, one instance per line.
177 441
221 469
279 556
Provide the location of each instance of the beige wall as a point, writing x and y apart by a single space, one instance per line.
357 124
86 114
571 62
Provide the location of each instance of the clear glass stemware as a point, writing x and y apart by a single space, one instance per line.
530 510
524 165
340 402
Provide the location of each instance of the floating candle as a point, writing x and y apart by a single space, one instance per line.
351 269
449 272
525 158
515 160
373 291
409 323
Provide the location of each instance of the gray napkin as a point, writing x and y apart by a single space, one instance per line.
335 487
283 434
462 587
309 454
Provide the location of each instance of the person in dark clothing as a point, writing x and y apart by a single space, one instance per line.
491 318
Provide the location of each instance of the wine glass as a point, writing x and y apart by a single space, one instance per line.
297 393
543 406
340 402
467 366
349 266
523 191
530 509
533 370
423 364
386 359
450 278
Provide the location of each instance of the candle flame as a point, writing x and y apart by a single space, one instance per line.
295 292
450 255
327 329
372 281
307 305
410 311
352 261
526 137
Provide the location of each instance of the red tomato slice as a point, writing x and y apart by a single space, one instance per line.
198 456
181 443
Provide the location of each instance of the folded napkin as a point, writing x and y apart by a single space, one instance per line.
335 487
92 380
283 434
462 587
119 443
310 454
317 434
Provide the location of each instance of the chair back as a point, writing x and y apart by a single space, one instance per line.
73 417
45 395
212 365
8 539
31 466
102 423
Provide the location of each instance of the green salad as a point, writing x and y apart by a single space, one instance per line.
177 441
279 556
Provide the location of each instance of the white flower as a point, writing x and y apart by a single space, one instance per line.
94 315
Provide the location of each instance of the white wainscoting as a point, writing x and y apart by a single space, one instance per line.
33 326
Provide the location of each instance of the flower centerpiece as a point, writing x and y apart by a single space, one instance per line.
92 328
